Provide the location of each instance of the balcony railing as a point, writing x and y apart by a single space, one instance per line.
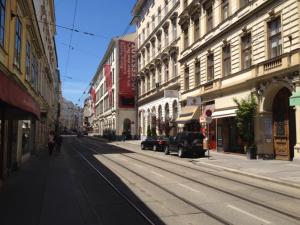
272 64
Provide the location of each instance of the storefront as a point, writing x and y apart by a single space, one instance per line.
16 105
188 119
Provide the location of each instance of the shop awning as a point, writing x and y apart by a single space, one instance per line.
224 113
12 94
188 113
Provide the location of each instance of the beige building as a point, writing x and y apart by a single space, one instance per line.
113 89
158 78
236 48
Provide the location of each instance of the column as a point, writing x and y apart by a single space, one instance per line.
297 119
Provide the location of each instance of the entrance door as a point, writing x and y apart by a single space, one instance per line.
282 123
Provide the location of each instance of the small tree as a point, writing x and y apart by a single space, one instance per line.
246 109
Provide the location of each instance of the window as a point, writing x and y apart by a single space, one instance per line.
166 66
153 79
225 9
244 3
2 22
33 70
174 29
246 51
174 61
27 61
113 76
143 35
153 48
148 29
166 36
186 79
210 67
209 18
148 53
197 73
159 15
158 42
153 22
140 40
166 6
148 82
185 3
275 41
196 29
186 38
159 75
18 41
226 60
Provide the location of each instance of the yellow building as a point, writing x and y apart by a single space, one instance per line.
29 79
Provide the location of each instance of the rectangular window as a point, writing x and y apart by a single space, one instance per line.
244 3
174 29
186 38
148 29
166 66
225 9
158 43
153 22
186 79
159 15
209 18
113 76
148 82
18 41
153 79
246 51
166 37
27 61
210 67
33 70
159 75
2 22
197 73
174 60
153 49
166 7
196 29
226 60
185 3
275 40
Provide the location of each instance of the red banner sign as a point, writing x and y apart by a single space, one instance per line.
127 72
108 79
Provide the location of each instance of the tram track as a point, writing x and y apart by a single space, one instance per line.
297 218
207 172
201 209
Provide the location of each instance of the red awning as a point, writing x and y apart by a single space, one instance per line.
12 94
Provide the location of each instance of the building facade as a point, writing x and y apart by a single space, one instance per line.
237 48
71 116
158 77
113 89
27 71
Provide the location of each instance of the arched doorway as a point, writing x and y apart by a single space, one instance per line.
284 136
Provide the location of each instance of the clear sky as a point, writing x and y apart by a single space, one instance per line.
105 19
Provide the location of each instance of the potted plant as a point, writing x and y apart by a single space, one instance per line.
246 109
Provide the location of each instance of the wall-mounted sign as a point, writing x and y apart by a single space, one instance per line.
190 101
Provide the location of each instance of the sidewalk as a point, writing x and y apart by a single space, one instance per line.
284 172
41 192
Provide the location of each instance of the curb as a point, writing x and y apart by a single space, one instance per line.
235 171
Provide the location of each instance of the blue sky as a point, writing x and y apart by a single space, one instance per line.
105 19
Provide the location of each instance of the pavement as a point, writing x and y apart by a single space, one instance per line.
282 172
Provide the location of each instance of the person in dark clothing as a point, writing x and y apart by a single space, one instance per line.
51 142
58 142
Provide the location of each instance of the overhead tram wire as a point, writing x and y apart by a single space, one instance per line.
73 24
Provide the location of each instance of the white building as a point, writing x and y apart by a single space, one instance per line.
114 88
71 116
158 78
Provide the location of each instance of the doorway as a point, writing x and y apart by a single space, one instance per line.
284 136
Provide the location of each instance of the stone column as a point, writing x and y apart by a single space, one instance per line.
297 119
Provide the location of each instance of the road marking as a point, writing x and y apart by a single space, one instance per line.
248 214
293 165
157 174
188 187
138 165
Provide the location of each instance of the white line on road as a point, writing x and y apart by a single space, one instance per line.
139 166
157 174
187 187
248 214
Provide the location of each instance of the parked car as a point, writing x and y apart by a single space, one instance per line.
154 143
186 143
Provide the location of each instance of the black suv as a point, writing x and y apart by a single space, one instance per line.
186 143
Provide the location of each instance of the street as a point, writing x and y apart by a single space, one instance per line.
180 194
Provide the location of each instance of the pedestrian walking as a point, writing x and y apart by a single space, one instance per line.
58 142
51 142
